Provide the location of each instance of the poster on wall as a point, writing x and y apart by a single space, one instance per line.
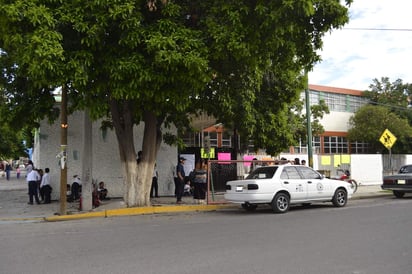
189 165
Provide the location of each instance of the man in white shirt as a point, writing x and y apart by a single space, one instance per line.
32 179
45 186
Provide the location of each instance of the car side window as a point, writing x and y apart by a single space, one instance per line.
308 173
290 172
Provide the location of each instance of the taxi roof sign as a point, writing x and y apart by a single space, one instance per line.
387 139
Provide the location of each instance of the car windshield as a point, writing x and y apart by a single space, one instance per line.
263 172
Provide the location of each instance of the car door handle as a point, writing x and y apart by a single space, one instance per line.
286 182
309 182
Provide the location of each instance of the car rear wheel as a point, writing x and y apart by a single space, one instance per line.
340 198
398 194
280 204
249 207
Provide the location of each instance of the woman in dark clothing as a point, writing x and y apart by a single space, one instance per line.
199 179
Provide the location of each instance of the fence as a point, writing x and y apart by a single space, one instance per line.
221 171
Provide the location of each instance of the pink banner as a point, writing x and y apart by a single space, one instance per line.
248 158
224 156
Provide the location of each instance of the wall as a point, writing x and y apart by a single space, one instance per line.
336 121
366 169
106 164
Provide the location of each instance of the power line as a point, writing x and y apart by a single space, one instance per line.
377 29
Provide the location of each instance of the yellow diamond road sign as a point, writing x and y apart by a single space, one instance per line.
387 139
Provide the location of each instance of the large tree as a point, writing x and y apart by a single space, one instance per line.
158 61
369 123
395 97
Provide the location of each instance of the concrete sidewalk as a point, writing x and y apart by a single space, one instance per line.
14 207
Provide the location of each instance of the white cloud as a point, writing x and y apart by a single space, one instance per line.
353 58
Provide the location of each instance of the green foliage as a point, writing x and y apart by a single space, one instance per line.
393 95
298 120
11 143
248 54
369 122
392 98
260 50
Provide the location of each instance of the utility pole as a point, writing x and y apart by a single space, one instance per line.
63 152
308 121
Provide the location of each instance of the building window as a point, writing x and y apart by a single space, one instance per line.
335 144
190 139
336 101
212 138
316 145
226 139
354 103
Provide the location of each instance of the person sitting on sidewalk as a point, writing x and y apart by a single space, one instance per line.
102 191
187 190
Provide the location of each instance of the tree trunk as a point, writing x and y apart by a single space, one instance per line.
150 147
137 177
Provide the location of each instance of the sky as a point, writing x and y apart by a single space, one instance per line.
352 58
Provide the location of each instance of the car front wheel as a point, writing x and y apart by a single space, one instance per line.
398 194
280 204
340 198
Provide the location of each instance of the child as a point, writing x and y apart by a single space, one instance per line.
187 191
18 172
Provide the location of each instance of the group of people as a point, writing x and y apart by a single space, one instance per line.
38 182
197 179
74 191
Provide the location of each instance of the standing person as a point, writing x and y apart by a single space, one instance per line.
139 157
76 185
155 185
8 169
29 168
18 172
45 187
40 171
32 178
180 180
199 178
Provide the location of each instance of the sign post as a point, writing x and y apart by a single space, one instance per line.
388 140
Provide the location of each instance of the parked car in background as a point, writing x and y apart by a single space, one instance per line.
399 183
282 185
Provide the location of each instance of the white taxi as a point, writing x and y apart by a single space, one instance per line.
283 185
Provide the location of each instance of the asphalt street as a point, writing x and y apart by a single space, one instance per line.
368 236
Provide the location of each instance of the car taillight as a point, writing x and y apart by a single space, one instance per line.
228 187
252 186
388 182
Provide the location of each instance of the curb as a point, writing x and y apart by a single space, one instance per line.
137 211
